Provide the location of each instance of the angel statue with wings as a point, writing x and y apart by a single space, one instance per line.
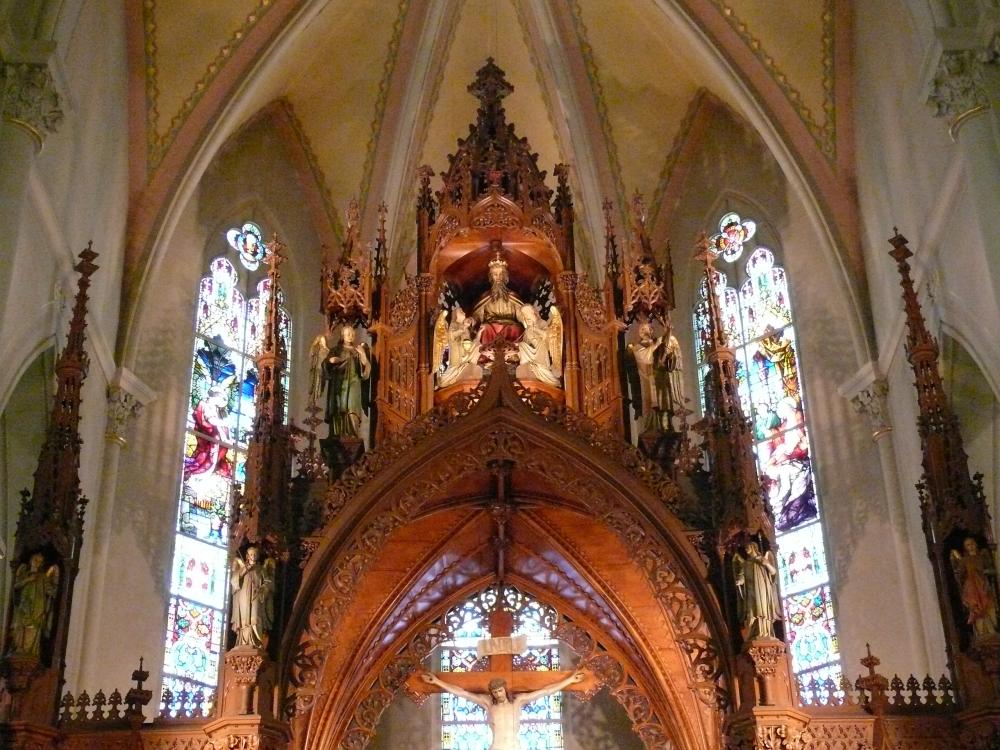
456 350
34 590
343 367
540 347
253 598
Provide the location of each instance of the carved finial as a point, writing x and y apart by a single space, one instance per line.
490 85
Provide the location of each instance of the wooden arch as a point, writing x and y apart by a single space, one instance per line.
594 533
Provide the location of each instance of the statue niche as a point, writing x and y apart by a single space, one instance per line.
465 345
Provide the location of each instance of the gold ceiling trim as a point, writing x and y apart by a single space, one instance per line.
824 134
157 143
314 168
590 64
381 99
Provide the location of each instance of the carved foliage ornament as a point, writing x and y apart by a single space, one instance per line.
403 308
29 98
960 81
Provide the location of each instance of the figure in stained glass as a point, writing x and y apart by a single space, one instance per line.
782 352
787 469
211 424
977 577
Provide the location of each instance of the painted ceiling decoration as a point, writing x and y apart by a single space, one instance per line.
373 89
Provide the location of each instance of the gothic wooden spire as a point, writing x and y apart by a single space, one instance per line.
952 503
741 508
54 514
50 534
262 516
950 497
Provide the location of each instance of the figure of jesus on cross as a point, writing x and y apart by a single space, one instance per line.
507 690
503 712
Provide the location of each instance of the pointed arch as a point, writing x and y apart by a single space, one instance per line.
603 515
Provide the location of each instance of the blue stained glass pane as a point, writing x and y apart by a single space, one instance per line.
194 639
811 634
758 321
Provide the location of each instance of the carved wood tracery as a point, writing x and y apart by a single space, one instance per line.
603 475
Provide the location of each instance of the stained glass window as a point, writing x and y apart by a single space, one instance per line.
463 723
228 331
757 317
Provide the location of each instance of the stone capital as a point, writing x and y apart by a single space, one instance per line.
871 401
963 72
126 397
29 98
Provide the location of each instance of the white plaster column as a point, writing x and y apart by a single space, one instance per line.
30 110
127 395
869 399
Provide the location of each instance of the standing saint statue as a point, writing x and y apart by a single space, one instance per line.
344 369
659 392
756 575
977 577
253 598
503 712
34 589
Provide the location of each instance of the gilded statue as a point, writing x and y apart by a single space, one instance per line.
35 589
503 711
455 342
343 367
977 578
756 576
252 583
659 390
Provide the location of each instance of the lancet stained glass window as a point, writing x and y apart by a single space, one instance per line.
757 316
228 334
463 723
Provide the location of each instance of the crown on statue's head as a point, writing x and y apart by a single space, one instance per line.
498 262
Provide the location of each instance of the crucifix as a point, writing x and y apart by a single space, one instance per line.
501 690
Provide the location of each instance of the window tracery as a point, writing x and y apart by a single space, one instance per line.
228 331
757 315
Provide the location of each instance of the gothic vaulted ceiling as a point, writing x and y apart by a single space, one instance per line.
369 89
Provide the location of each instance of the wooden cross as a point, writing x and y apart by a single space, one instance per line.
500 646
